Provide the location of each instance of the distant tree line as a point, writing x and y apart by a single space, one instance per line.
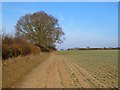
88 48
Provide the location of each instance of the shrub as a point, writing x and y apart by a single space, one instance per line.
13 47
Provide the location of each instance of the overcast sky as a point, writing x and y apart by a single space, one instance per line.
85 24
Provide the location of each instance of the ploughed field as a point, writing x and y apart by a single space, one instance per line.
72 69
95 68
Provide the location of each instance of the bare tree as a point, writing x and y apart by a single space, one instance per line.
40 28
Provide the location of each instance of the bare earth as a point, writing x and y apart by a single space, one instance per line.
59 72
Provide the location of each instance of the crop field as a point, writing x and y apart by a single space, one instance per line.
101 66
64 69
71 45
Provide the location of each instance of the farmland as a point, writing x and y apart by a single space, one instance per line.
65 69
102 65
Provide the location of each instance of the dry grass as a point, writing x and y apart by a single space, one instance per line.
14 70
13 47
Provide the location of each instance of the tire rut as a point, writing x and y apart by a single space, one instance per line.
37 77
60 73
54 80
65 77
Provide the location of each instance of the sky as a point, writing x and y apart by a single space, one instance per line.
60 0
93 24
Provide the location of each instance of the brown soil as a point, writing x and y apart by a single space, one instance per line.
59 71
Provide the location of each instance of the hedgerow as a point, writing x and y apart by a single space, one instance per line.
14 46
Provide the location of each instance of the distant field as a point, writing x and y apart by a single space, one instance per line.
101 64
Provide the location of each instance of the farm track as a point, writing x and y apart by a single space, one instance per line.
59 71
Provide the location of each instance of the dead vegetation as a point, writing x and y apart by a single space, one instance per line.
13 47
14 69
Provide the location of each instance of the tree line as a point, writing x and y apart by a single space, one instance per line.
88 48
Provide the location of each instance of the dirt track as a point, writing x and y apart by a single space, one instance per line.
59 72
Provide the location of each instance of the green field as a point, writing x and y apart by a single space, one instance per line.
101 64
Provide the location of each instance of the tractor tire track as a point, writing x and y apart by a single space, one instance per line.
65 77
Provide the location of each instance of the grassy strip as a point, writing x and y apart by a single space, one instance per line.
14 70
